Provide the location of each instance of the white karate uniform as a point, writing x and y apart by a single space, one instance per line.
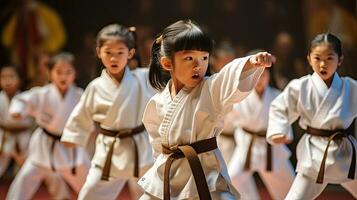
192 115
115 108
225 141
323 108
51 111
9 142
253 114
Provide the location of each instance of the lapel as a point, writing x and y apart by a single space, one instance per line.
329 100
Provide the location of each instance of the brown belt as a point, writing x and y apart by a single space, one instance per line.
190 152
269 164
121 134
56 139
337 134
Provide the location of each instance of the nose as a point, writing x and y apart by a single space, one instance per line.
322 63
112 58
197 65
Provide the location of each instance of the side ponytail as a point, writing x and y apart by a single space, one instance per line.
158 77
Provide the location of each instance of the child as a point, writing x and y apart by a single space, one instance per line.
50 105
184 119
14 135
116 101
326 106
252 153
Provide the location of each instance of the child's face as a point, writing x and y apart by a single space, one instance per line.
63 75
9 80
114 55
189 67
324 61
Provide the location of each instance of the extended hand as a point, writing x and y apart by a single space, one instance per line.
262 59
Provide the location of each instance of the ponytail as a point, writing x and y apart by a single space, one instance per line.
158 77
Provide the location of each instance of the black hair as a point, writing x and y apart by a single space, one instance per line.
329 39
181 35
66 56
117 32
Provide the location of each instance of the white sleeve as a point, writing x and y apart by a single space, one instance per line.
152 123
231 85
283 111
78 126
26 103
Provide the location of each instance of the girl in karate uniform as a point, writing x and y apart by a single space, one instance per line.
116 102
326 106
184 119
14 135
50 105
253 153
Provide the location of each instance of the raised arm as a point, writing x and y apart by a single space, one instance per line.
236 80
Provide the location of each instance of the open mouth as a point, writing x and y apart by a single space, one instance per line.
196 76
114 66
323 72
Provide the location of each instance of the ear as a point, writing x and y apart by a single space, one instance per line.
166 63
97 50
131 53
340 60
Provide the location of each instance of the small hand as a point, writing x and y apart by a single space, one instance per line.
262 59
280 139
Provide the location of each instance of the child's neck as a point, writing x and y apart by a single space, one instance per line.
260 92
10 94
117 77
175 87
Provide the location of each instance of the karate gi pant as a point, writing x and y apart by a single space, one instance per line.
94 188
306 188
277 182
29 179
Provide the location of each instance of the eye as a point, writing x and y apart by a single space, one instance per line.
205 57
188 58
107 52
316 58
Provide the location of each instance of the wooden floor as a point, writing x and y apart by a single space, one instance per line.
332 192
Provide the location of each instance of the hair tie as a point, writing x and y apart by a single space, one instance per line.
158 40
132 29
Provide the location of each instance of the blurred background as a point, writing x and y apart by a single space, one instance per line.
33 30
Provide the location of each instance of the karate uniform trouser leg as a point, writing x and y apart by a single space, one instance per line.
305 188
246 186
4 164
94 188
351 187
279 180
27 182
56 186
76 181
